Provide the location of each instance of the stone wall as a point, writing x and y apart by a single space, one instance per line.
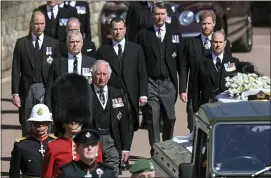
15 24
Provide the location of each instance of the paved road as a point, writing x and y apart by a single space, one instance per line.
260 56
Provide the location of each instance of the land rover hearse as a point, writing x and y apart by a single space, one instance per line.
230 140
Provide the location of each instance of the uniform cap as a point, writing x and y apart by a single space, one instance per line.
40 113
141 165
87 136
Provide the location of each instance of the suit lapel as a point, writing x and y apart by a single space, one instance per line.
64 65
114 58
168 41
211 68
154 41
30 49
198 46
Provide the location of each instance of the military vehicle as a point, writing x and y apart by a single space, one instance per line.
230 140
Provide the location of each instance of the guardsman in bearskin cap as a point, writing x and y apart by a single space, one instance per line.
28 151
71 110
87 146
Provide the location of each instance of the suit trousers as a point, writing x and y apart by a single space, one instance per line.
161 104
111 156
190 116
35 96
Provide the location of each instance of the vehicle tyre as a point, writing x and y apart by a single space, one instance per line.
245 43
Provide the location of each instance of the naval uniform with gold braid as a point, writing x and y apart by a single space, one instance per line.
77 169
27 156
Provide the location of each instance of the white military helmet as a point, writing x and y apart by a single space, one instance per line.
40 113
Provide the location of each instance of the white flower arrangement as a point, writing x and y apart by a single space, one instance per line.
242 83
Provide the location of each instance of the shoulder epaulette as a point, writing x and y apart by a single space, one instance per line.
52 136
22 138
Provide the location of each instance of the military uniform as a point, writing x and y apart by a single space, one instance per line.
27 156
77 169
59 152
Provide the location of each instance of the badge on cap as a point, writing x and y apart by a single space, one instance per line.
100 172
88 135
40 112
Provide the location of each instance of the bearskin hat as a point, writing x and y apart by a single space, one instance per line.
71 100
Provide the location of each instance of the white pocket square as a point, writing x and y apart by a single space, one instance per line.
89 50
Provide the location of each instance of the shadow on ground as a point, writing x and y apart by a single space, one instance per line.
5 158
9 111
11 127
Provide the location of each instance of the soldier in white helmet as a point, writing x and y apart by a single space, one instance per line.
27 154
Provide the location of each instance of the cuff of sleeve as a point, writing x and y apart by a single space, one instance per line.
15 94
144 97
125 151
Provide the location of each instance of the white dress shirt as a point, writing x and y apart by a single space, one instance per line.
215 56
34 37
97 91
163 31
116 47
55 11
71 60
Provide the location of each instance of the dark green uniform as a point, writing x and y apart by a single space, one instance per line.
76 169
27 156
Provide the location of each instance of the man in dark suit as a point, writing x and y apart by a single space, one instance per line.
32 58
110 117
83 12
214 69
193 51
160 45
74 62
88 49
129 73
139 17
56 19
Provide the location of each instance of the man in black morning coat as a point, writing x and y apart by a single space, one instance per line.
56 26
160 45
32 58
214 68
110 117
74 62
128 68
83 12
193 51
88 49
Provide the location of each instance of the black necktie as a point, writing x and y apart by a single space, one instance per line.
159 35
101 96
218 64
120 50
37 47
52 14
75 64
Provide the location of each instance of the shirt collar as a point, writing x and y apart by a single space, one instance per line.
163 28
72 3
220 56
203 37
49 8
34 37
79 56
98 89
122 42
